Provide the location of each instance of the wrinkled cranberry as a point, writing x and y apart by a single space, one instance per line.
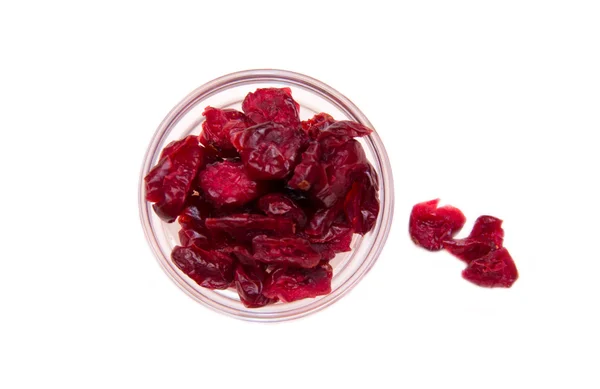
269 150
336 240
316 124
487 235
272 105
341 132
193 216
362 207
244 227
169 182
285 251
496 269
429 226
310 172
228 184
290 284
189 237
321 221
210 269
240 253
249 283
277 204
219 123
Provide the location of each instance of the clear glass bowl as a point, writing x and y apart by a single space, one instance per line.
313 96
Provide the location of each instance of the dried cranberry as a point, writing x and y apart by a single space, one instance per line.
328 172
189 237
362 206
244 227
290 284
210 269
487 235
320 222
496 269
169 182
341 132
272 105
269 150
336 240
429 226
219 123
309 173
316 124
228 184
240 253
194 215
249 283
277 204
285 251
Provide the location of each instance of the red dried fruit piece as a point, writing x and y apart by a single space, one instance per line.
321 221
336 240
269 150
210 269
429 226
241 253
316 124
193 216
249 283
362 206
277 204
228 184
219 123
170 181
189 237
495 270
290 284
309 173
272 105
344 164
285 251
487 235
244 227
341 132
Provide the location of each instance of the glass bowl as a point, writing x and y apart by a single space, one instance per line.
314 97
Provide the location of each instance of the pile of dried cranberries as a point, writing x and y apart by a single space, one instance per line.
264 199
488 263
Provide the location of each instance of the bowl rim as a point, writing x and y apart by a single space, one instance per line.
380 231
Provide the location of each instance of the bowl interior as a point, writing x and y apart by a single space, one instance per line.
348 267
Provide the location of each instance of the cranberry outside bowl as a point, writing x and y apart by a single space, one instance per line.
314 97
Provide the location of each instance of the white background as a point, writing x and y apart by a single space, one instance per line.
492 106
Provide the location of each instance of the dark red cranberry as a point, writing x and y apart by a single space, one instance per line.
228 184
429 225
244 227
189 237
362 205
320 222
341 132
269 150
316 124
249 283
272 105
310 172
210 269
494 270
487 235
285 251
277 204
290 284
169 182
219 123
